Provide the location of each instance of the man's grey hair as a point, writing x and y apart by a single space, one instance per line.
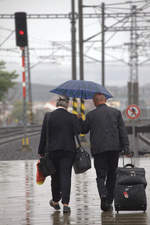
62 101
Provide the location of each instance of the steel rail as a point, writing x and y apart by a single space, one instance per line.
6 132
7 135
18 137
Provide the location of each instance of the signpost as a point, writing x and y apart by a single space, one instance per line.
133 112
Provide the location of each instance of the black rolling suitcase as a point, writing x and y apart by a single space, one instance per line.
130 188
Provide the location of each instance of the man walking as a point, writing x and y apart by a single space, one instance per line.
57 138
108 137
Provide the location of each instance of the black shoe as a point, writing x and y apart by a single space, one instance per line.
105 206
55 206
66 209
109 207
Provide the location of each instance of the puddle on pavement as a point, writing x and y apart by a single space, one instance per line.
23 202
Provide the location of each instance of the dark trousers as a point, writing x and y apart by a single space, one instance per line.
105 165
61 180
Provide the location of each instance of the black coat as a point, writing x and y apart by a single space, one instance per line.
58 130
107 129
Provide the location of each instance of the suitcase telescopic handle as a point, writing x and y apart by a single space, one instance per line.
131 158
129 165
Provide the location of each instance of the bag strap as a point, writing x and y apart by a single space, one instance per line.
78 140
47 119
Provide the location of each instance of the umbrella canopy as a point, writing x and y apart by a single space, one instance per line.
81 89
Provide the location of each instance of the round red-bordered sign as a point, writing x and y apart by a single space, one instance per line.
133 112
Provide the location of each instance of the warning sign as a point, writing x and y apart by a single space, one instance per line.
133 112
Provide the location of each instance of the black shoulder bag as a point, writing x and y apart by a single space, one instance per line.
46 165
82 160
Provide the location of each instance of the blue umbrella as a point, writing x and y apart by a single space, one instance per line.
81 89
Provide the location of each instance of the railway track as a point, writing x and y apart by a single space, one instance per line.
9 134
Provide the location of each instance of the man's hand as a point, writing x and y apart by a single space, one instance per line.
41 155
79 116
127 152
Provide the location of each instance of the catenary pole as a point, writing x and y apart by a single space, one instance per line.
29 86
24 139
73 47
73 40
81 58
103 44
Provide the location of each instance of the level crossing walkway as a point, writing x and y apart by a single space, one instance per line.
23 202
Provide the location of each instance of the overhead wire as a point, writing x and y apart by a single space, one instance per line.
145 6
6 29
120 60
124 3
95 35
7 38
139 9
117 8
124 22
108 7
144 49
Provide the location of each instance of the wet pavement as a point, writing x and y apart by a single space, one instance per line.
23 202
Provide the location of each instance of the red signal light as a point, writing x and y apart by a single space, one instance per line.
21 32
21 29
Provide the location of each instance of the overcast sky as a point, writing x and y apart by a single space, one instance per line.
49 39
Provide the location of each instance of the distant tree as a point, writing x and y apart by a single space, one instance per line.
6 80
17 112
